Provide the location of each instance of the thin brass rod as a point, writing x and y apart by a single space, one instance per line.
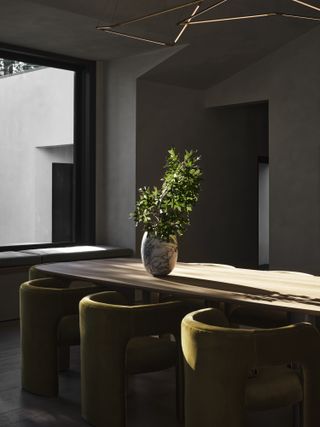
154 14
213 6
186 25
234 18
311 6
190 20
132 36
262 15
308 18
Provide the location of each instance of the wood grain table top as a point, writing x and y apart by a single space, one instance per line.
284 290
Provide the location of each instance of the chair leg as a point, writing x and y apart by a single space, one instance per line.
39 365
64 358
180 392
297 415
103 376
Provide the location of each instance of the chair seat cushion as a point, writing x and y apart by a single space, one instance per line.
147 354
273 387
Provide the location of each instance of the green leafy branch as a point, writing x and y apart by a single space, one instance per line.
165 212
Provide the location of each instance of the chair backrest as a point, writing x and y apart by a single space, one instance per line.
48 311
52 295
134 320
107 324
218 359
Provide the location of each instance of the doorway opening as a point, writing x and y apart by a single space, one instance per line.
263 188
263 176
239 166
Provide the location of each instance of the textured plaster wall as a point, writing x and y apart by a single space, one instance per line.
290 79
170 116
116 145
36 110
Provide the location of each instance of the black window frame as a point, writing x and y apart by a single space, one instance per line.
84 140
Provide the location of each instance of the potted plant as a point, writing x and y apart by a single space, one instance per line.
164 212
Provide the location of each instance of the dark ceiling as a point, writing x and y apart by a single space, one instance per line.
212 52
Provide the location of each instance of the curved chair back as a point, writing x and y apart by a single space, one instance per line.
218 360
43 304
107 325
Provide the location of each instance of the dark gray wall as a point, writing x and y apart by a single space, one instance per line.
168 116
224 226
290 80
116 145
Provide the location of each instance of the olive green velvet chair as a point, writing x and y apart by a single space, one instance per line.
229 372
49 318
117 340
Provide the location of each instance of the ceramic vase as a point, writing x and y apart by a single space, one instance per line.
159 257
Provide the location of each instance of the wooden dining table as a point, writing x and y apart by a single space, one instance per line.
282 290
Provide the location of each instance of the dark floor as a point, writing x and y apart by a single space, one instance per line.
151 397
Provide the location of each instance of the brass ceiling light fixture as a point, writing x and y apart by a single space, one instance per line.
111 28
257 16
198 11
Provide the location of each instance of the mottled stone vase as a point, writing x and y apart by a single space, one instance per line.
159 257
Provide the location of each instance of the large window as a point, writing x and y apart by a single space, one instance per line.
46 150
